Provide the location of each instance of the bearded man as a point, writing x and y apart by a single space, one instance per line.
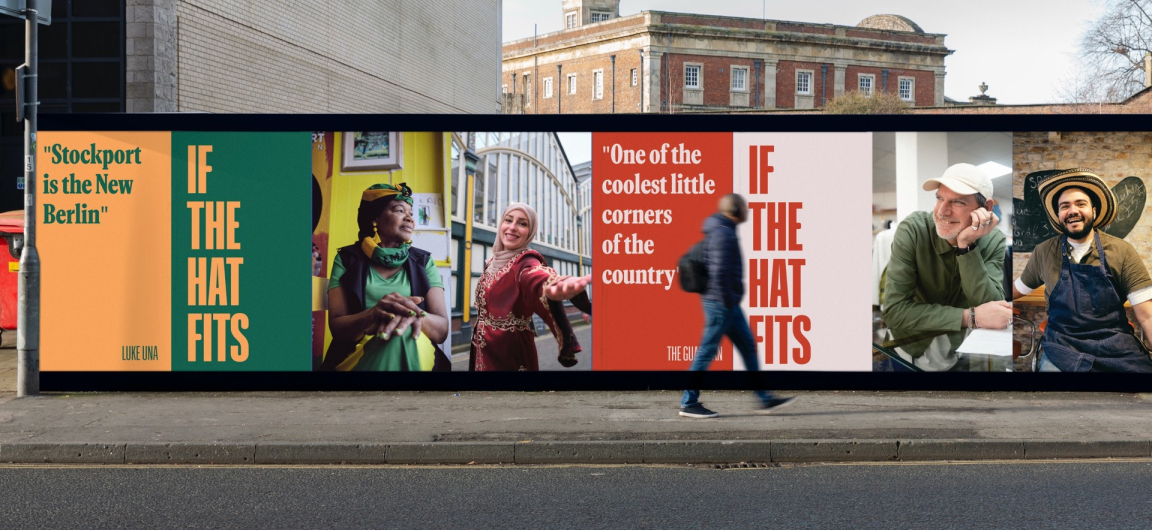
946 271
1087 275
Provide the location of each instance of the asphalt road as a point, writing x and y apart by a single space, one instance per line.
547 351
1034 495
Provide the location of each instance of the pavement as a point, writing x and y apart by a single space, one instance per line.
642 427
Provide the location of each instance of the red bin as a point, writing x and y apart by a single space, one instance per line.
11 238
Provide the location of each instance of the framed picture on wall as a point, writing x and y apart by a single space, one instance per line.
372 151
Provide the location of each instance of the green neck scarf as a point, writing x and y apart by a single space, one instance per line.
386 256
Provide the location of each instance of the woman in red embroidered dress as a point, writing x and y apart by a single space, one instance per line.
515 285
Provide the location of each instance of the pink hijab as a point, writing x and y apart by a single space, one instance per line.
500 255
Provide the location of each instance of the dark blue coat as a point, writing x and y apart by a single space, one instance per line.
725 263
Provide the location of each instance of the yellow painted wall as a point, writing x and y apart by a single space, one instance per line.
426 159
425 155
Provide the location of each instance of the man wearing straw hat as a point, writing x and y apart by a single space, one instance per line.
1087 275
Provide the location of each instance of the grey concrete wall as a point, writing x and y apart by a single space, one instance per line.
323 56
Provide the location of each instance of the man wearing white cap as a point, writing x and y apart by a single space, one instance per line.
1087 275
946 271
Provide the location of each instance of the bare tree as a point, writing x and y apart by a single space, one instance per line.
855 102
1113 51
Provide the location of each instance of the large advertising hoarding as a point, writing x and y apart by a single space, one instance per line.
170 251
166 251
653 194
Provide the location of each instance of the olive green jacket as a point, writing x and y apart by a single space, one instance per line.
928 286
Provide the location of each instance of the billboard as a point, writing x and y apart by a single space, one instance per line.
501 251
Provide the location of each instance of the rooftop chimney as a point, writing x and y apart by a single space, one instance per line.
1148 70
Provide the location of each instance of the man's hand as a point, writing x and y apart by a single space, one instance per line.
994 315
983 223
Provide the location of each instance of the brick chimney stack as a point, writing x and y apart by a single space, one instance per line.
1148 70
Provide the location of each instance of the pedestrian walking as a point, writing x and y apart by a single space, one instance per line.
721 298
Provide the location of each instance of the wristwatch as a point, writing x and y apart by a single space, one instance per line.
960 251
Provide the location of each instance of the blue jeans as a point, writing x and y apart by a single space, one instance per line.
718 322
1046 365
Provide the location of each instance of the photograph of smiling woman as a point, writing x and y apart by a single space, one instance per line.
516 284
385 298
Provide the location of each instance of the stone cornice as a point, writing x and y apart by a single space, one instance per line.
785 37
648 22
666 31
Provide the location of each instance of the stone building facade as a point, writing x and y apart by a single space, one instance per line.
677 62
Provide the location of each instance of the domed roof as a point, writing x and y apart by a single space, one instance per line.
890 23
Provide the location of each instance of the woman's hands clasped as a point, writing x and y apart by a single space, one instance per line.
394 314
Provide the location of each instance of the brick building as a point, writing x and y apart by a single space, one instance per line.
672 62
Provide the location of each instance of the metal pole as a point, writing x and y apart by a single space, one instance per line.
470 160
28 313
580 243
823 82
640 81
613 86
559 93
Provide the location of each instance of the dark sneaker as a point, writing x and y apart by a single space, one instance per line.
774 404
697 411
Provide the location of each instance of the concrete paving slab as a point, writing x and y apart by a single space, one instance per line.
61 453
635 452
451 453
961 450
189 453
834 450
320 453
1047 449
719 451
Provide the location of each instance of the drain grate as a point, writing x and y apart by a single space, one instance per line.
746 465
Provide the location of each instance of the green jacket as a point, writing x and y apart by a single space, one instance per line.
928 286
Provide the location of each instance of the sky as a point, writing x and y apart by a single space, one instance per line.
1025 50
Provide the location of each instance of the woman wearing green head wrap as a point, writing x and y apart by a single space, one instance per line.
384 294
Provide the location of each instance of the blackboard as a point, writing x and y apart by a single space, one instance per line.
1030 224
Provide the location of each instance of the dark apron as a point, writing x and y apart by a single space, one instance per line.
1088 330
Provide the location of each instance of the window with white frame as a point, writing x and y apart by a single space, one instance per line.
547 87
907 89
692 76
635 78
598 84
600 16
804 82
571 83
866 84
527 93
503 89
739 79
570 21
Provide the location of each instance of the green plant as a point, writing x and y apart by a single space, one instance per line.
857 103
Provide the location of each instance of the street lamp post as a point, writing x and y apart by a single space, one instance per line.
28 311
